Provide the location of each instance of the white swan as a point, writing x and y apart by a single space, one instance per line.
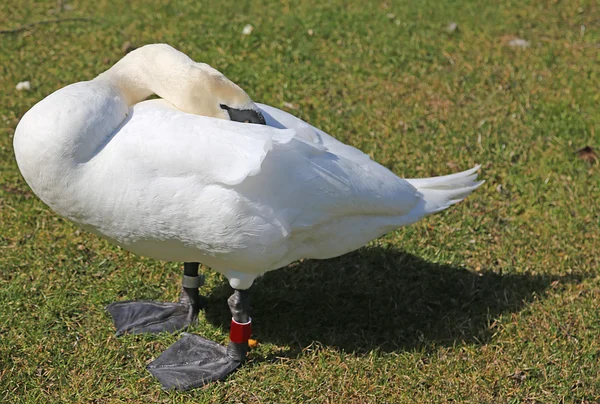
179 179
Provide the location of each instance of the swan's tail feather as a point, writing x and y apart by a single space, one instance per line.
441 192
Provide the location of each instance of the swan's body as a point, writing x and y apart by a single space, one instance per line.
164 182
243 199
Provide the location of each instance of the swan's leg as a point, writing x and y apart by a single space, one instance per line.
241 325
137 317
190 293
194 361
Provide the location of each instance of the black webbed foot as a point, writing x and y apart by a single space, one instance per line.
193 362
138 317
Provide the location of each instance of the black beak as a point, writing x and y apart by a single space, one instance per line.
245 115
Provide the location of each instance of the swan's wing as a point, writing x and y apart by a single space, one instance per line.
299 165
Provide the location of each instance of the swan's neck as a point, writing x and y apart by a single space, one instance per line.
160 69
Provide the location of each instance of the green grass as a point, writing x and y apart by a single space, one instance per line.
495 300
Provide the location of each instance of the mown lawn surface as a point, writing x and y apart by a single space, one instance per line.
495 300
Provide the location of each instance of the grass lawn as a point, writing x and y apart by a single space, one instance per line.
495 300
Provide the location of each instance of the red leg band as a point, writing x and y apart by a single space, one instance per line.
240 332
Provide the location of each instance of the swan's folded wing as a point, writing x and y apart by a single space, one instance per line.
301 171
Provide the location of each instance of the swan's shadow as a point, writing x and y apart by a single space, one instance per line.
382 299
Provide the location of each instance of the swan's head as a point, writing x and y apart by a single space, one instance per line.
195 88
219 97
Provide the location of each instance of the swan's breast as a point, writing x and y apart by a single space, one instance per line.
55 139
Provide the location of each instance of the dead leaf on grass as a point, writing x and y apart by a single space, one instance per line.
587 154
519 376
